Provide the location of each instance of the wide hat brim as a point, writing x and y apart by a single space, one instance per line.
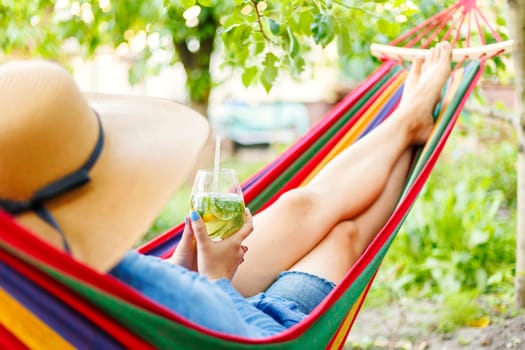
151 145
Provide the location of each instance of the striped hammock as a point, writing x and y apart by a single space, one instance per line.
49 300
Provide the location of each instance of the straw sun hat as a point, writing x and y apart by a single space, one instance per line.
89 173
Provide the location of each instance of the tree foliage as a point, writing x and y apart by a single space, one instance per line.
262 38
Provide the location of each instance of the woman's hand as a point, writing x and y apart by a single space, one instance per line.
220 259
186 253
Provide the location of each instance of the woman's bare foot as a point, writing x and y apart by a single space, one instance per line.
422 90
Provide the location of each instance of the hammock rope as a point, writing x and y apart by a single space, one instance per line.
49 295
463 24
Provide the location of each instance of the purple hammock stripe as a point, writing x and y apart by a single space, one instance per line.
385 111
57 315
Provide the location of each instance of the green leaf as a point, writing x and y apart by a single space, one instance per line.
294 44
383 25
270 71
259 43
268 76
242 54
270 59
275 27
298 65
187 3
241 34
205 3
322 29
137 72
305 21
249 75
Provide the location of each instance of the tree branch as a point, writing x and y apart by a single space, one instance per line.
259 20
354 8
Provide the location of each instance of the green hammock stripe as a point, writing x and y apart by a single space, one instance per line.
262 198
165 333
423 157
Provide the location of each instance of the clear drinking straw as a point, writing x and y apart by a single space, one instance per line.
216 163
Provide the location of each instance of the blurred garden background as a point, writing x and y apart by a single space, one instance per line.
264 72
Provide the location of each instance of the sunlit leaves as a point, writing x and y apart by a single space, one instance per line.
322 29
390 27
275 27
249 75
261 39
187 3
270 71
294 44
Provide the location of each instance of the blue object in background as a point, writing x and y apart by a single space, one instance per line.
247 124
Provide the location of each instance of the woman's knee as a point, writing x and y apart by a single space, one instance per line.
300 202
347 230
347 238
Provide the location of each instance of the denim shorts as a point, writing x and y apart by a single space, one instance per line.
292 296
219 306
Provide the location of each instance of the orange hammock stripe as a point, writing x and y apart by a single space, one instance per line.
28 328
360 126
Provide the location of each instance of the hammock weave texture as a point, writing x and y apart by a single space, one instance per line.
49 300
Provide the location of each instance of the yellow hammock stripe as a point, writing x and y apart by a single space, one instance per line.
28 328
358 128
349 318
340 336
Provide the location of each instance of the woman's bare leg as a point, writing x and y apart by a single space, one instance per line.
296 223
344 244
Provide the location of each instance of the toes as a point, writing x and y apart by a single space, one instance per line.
416 65
414 72
436 53
445 51
430 57
442 51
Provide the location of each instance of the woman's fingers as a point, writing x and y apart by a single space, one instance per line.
186 241
219 259
245 229
199 229
184 253
188 231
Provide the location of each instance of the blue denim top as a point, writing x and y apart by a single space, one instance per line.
215 305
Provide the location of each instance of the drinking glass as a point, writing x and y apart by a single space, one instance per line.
217 197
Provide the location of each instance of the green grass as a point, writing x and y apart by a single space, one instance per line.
457 245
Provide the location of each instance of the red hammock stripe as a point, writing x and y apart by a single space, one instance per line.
9 341
312 164
318 130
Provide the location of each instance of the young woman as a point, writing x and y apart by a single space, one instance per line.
89 173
